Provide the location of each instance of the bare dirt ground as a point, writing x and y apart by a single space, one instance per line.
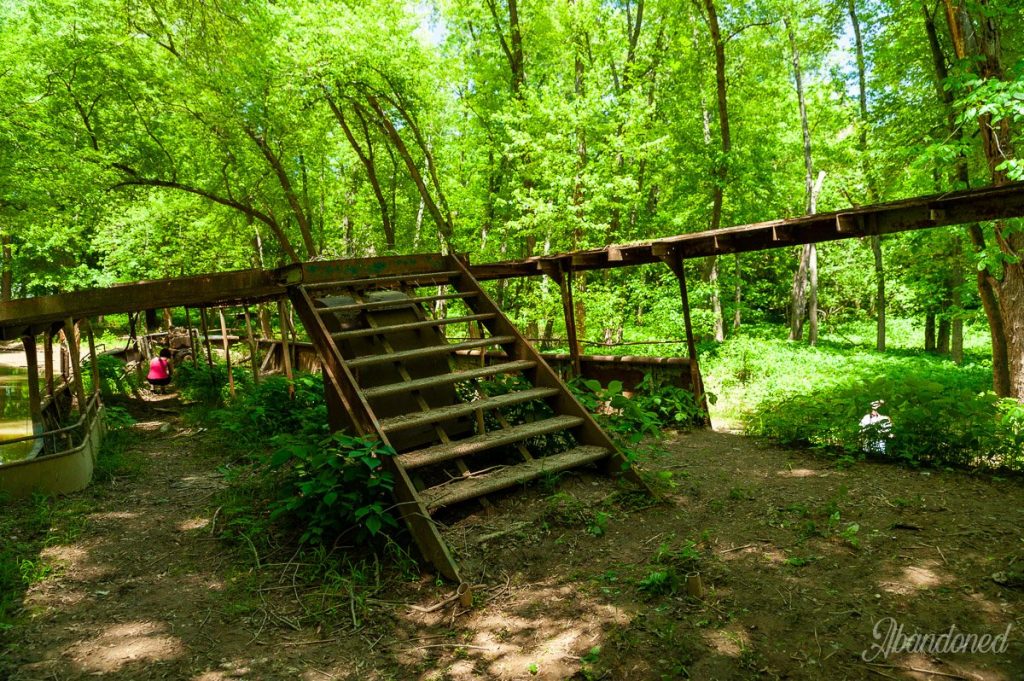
801 564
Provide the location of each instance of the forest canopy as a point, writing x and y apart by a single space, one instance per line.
160 138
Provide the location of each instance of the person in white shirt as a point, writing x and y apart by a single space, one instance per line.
875 429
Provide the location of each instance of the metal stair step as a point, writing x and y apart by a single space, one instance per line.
400 302
468 488
428 351
447 379
423 279
491 440
415 420
411 326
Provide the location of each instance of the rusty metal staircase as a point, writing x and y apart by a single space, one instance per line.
391 372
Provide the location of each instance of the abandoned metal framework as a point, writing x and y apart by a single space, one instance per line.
378 345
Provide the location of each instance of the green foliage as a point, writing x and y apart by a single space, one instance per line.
942 415
297 475
115 378
669 566
117 418
332 487
201 383
263 410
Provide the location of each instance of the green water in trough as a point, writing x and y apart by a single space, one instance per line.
15 420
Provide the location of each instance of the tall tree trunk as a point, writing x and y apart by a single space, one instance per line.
721 170
1003 299
872 195
929 332
808 265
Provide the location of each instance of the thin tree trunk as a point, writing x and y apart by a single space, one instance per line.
942 339
289 192
808 266
721 170
737 313
443 222
872 195
812 298
957 340
7 275
929 332
366 157
798 298
876 251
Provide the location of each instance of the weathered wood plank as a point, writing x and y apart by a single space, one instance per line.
444 413
470 488
492 440
446 379
428 351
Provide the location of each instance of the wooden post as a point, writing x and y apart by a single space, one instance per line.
205 327
227 350
64 359
675 262
563 275
35 404
252 347
93 359
191 338
48 361
76 362
285 357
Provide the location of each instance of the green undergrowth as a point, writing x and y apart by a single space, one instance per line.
292 480
942 414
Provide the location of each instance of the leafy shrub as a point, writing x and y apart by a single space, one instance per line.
208 385
672 404
261 411
941 415
630 419
333 486
654 406
115 377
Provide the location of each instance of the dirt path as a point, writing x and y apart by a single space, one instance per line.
800 563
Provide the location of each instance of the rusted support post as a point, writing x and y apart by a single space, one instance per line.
76 362
285 357
563 275
205 327
675 262
191 338
94 362
48 361
35 405
227 350
252 347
